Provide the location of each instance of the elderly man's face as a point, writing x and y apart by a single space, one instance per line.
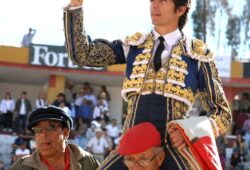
50 138
150 159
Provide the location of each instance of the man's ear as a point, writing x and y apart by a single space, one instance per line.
66 133
181 10
160 158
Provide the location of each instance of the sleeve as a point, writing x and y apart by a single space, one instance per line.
83 51
213 98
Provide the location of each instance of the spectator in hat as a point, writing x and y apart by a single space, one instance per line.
142 150
51 127
98 145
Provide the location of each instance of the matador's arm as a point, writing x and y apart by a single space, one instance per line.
84 52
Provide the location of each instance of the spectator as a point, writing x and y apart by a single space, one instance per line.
245 102
90 96
41 101
240 146
86 85
60 98
23 107
81 139
90 133
109 141
101 111
74 108
113 130
246 129
98 145
22 151
103 93
221 142
27 39
142 150
51 127
66 109
79 97
117 140
7 107
85 112
235 161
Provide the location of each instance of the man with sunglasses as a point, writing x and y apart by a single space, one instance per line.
51 127
141 148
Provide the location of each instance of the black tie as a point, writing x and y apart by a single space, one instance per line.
157 57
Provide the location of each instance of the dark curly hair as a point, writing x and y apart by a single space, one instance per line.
183 19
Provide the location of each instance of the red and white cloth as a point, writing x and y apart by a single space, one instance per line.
202 151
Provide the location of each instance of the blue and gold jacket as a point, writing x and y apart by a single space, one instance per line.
189 72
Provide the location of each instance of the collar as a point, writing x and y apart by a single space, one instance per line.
67 159
75 154
171 38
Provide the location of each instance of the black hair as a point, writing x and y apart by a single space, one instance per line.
183 19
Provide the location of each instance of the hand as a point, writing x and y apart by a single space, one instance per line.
176 138
76 3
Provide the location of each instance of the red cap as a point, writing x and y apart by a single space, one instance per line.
139 138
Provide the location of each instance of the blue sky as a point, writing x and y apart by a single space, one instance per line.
110 19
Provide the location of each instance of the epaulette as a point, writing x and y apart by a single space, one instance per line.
136 39
199 50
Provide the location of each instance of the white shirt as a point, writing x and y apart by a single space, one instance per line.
98 110
97 146
23 108
7 105
170 40
40 103
20 151
112 131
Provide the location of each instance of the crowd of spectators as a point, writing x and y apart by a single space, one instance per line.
95 130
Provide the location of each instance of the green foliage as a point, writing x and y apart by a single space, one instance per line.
246 22
233 33
198 25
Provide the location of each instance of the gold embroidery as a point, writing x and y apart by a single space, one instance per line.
79 49
133 38
178 63
199 51
179 109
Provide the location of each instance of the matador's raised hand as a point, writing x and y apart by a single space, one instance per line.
76 3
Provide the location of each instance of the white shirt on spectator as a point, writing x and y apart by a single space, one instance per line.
98 110
7 105
97 146
23 108
21 151
40 103
112 131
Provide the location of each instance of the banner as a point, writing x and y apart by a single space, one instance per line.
54 56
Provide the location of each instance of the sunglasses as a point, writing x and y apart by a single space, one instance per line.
49 128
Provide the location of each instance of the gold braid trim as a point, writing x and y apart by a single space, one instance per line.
80 50
198 50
